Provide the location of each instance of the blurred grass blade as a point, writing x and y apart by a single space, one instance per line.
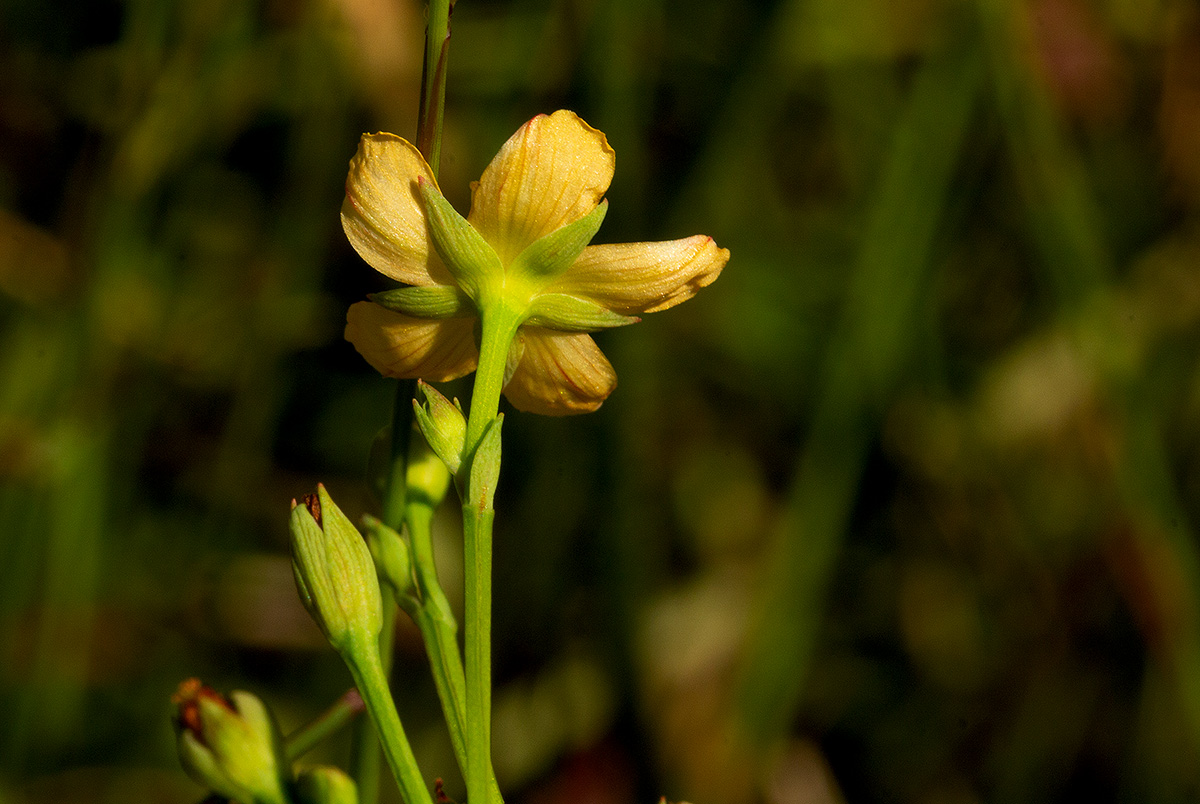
861 366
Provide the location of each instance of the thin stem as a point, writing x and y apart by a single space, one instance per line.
477 537
499 328
367 671
439 631
365 759
433 83
305 738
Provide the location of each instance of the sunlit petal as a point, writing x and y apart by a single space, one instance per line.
553 171
400 346
383 215
559 374
630 278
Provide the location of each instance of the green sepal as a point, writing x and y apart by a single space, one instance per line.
442 424
325 785
551 254
485 467
334 572
393 558
572 314
425 301
473 263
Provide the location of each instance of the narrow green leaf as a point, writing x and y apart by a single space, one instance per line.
485 467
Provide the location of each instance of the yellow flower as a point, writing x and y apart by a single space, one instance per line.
548 179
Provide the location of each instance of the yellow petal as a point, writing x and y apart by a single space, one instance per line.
553 171
383 215
560 373
400 346
630 278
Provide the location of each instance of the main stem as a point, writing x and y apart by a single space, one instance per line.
499 329
439 629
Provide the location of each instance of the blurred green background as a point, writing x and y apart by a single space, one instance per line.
901 509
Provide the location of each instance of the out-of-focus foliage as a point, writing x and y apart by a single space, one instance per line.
903 508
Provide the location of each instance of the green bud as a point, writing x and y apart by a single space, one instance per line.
473 263
393 560
443 425
570 314
427 476
334 572
326 785
553 253
485 467
231 746
428 301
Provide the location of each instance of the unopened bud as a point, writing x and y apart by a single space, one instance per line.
393 560
334 572
427 476
326 785
231 746
443 425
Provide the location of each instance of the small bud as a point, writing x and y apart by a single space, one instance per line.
427 476
393 561
326 785
571 314
485 467
334 572
233 747
442 424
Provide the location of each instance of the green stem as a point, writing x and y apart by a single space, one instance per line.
499 328
433 83
365 760
305 738
439 629
477 537
367 670
440 633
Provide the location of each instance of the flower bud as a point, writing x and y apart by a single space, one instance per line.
334 572
443 425
427 476
233 747
326 785
393 560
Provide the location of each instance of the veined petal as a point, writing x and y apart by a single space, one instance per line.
553 171
559 374
400 346
383 215
630 278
